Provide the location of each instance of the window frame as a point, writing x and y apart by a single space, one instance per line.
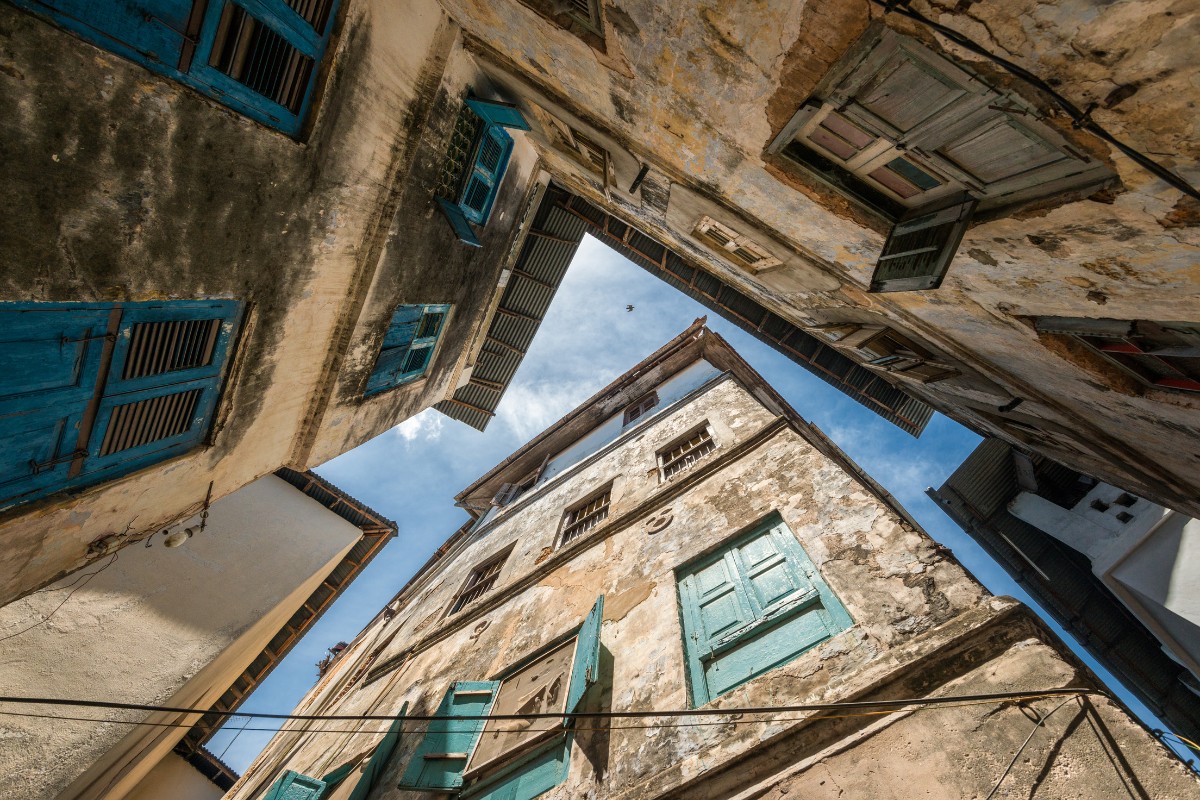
1120 342
730 243
463 598
403 371
577 528
640 408
856 339
660 454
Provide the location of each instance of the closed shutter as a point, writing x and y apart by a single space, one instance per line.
138 29
919 249
502 114
491 160
294 786
442 755
379 759
407 345
585 668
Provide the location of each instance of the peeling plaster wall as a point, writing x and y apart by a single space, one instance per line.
158 626
698 90
127 186
921 624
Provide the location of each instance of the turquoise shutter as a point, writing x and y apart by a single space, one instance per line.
294 786
586 667
407 346
529 777
502 114
770 579
379 759
49 363
442 755
458 223
487 171
146 31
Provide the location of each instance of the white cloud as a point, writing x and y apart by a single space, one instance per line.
529 408
424 427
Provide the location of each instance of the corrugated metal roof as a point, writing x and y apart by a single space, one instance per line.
909 413
545 256
976 496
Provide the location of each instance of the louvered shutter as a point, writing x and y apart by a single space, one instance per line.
49 363
502 114
139 29
487 170
458 223
294 786
442 755
585 668
393 353
920 248
379 759
506 494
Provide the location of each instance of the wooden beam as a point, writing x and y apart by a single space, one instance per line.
496 385
533 278
505 345
508 312
468 405
551 236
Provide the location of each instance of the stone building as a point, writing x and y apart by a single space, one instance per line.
197 625
1119 572
685 540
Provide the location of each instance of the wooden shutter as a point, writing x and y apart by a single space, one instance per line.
919 249
294 786
458 223
393 366
143 30
539 773
503 114
49 363
585 669
442 755
379 759
487 170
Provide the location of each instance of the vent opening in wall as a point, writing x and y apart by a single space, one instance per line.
682 454
584 516
731 244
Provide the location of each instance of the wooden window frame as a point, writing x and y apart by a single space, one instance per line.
640 408
734 246
397 365
1131 345
882 349
487 572
579 519
669 468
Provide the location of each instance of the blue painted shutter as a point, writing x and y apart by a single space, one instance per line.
529 777
49 364
442 755
294 786
586 667
141 30
502 114
487 171
379 759
458 222
407 346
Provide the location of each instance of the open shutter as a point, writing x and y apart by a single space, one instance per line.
458 222
506 494
487 170
503 114
919 249
294 786
394 360
379 758
441 757
152 30
586 667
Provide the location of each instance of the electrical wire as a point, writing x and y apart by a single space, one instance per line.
86 579
1021 749
1081 119
683 712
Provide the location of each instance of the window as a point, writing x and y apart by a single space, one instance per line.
476 160
582 517
510 759
587 152
92 391
407 346
480 582
883 349
739 249
351 781
906 132
258 57
580 17
1160 354
685 452
637 410
752 606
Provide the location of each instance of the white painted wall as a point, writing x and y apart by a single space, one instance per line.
158 626
175 779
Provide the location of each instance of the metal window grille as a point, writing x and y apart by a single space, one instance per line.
158 347
682 455
150 420
640 408
259 58
457 163
314 12
482 579
585 516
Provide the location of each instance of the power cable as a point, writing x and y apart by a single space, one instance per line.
1021 749
1081 119
86 580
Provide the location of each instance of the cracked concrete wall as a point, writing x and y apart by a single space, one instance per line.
920 622
698 90
126 186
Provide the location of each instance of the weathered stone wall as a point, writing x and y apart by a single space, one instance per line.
922 626
126 186
698 91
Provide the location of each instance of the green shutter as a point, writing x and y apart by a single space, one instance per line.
528 777
919 249
442 755
458 222
503 114
586 667
294 786
379 758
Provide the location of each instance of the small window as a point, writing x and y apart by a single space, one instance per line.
580 17
734 246
1126 500
637 410
407 347
583 517
1124 517
685 452
750 607
1165 355
480 582
881 348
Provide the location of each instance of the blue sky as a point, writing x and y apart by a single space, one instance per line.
412 472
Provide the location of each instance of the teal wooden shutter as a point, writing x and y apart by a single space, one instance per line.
528 777
150 31
586 667
442 755
294 786
407 346
379 758
487 170
502 114
920 247
458 223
